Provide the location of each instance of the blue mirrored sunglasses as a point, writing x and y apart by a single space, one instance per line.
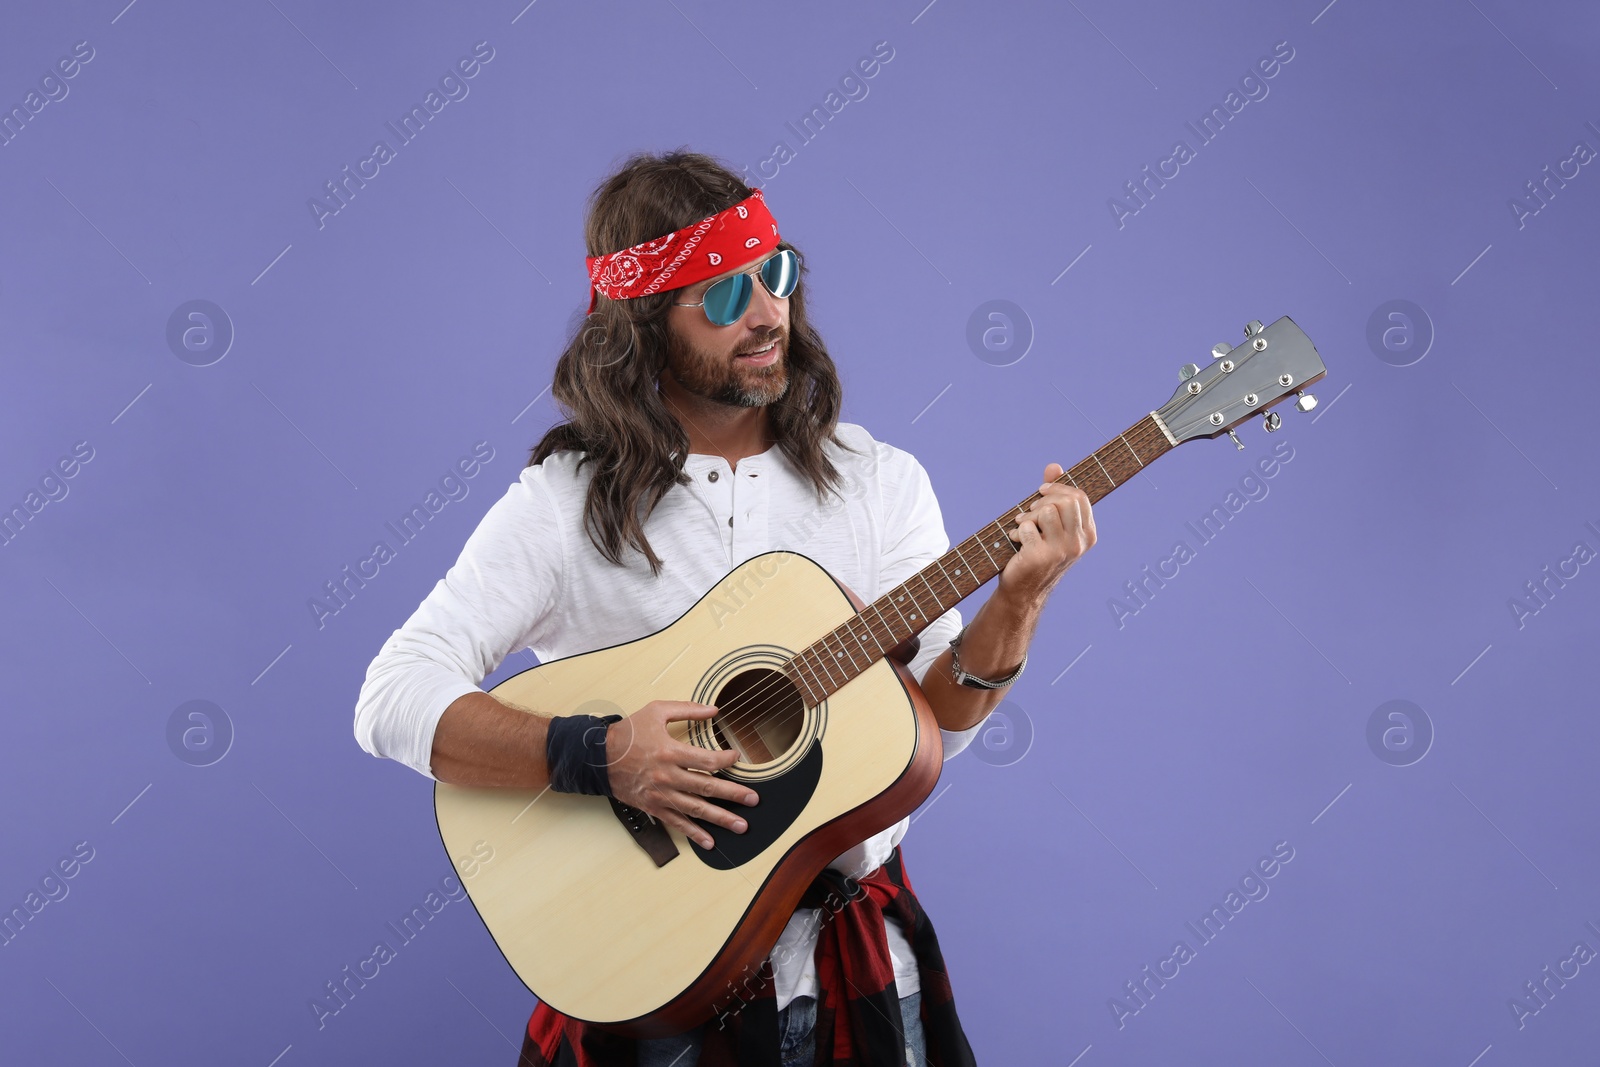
726 301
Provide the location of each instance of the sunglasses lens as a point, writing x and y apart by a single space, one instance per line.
781 273
726 300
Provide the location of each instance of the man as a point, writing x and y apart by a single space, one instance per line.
703 430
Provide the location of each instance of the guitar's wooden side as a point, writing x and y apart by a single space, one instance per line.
584 917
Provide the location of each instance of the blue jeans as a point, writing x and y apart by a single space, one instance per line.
796 1037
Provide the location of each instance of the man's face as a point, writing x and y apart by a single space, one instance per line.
707 359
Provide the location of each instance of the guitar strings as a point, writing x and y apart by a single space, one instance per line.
1145 432
745 701
757 695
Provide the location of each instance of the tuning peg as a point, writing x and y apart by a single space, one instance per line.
1254 328
1237 443
1187 371
1271 420
1220 349
1306 402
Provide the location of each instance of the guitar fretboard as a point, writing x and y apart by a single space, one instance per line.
908 608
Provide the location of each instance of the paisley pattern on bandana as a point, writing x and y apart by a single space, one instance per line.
743 232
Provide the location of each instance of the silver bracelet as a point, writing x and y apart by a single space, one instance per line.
973 681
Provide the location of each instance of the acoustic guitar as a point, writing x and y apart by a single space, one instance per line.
611 917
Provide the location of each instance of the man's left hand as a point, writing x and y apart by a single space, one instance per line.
1056 529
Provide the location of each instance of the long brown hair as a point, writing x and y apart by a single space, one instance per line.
606 378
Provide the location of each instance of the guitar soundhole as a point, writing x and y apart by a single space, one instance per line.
760 714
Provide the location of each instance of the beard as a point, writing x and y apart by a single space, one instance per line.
721 380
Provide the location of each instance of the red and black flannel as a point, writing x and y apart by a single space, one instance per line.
858 1007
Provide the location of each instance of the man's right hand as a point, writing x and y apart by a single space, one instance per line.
655 772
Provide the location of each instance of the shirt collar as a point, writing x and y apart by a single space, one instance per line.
699 461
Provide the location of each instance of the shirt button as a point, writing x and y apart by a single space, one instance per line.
730 520
711 477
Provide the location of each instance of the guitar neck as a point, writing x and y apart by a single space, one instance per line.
908 608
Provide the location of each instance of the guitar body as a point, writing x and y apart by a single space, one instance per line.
587 919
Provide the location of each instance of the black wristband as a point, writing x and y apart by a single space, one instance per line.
575 752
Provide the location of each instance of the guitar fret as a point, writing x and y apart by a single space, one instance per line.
1102 466
833 665
1124 439
793 669
973 541
1000 530
1090 487
896 607
978 575
940 564
814 691
966 567
914 602
888 628
822 665
845 648
904 595
862 635
820 669
926 614
985 551
896 633
850 650
808 692
824 681
818 662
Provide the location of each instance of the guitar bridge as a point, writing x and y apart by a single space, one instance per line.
650 833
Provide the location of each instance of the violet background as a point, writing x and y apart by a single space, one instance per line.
1132 791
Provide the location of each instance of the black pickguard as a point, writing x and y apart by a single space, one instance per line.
782 799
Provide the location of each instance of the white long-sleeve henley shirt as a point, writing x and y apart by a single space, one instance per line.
529 577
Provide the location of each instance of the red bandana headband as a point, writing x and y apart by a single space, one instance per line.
703 250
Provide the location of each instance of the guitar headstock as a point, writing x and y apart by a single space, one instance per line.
1244 380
